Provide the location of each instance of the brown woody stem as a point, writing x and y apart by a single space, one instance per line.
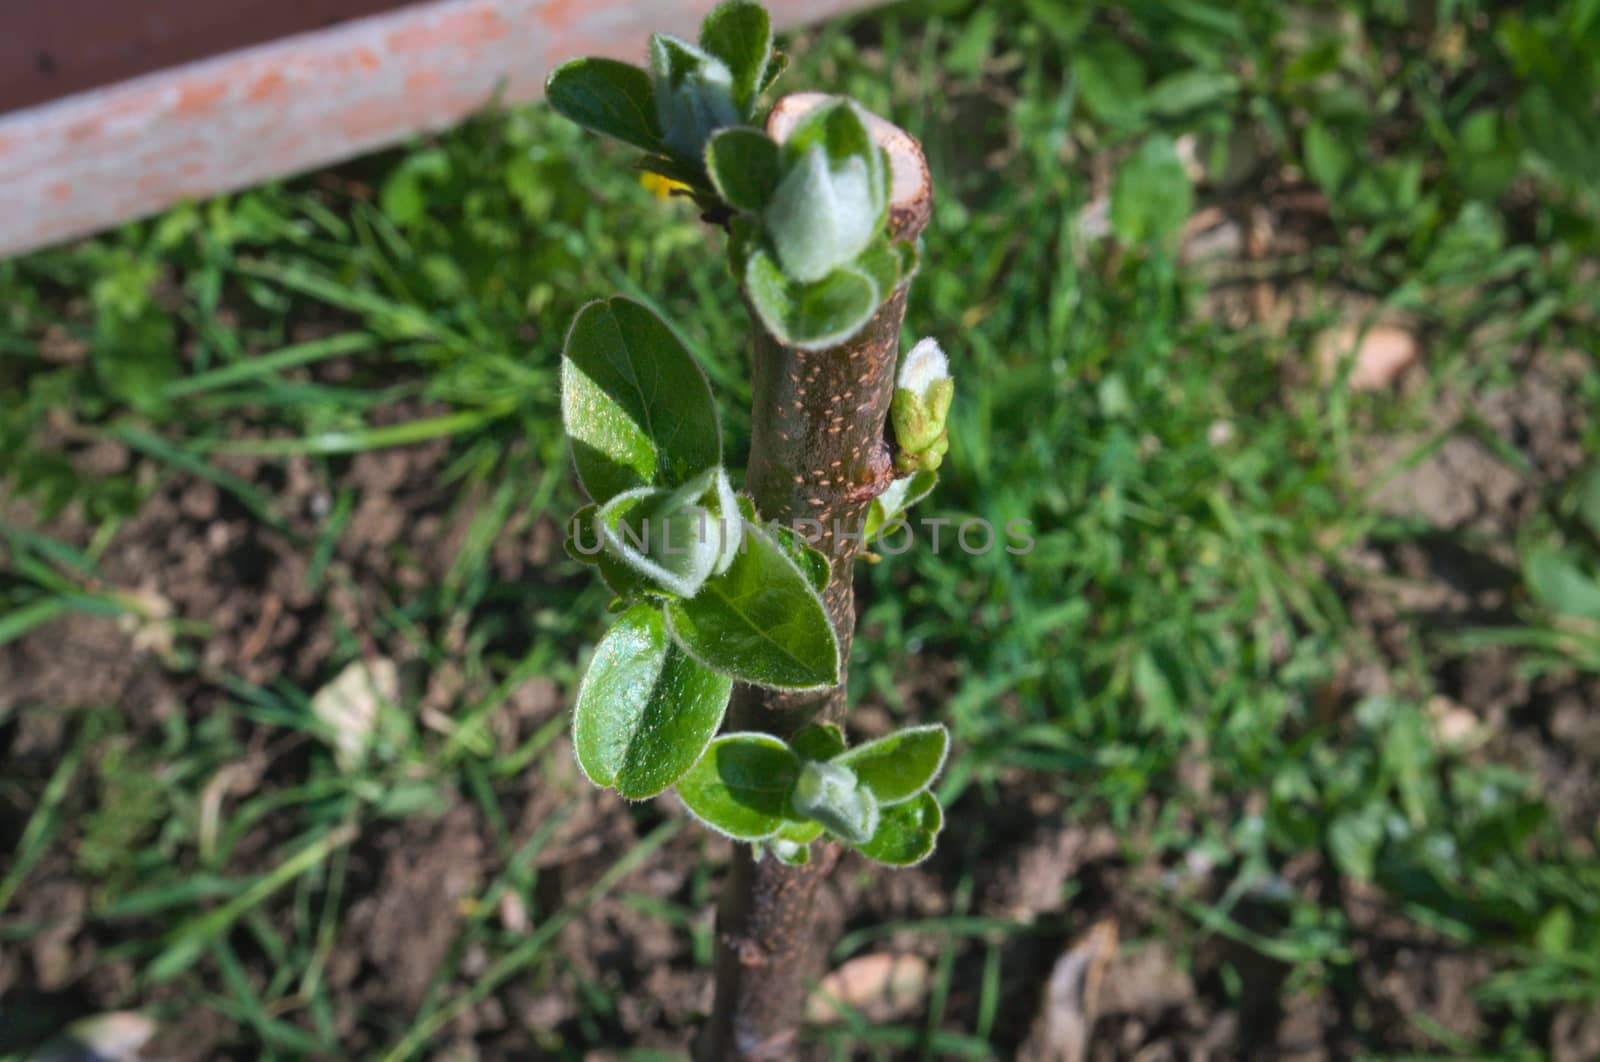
818 456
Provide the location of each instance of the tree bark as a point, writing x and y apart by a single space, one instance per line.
818 456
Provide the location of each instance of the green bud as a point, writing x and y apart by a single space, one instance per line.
828 793
920 408
796 855
694 94
831 196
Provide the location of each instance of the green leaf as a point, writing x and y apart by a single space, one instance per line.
898 497
607 97
800 831
693 93
1328 160
740 787
1189 90
739 33
583 543
727 516
908 259
645 710
1557 581
637 408
810 316
813 562
906 833
760 621
900 765
881 262
1151 197
627 583
819 741
832 795
743 164
790 852
775 68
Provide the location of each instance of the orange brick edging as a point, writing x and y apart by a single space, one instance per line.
125 151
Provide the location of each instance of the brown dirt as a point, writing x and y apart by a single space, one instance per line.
194 553
226 595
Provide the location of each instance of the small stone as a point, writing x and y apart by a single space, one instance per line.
1381 353
882 986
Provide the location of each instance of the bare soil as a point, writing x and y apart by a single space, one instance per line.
237 591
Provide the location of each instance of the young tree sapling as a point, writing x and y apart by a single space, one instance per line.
729 618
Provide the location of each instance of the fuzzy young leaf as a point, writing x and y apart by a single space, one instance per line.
743 165
832 795
645 710
674 539
586 545
760 621
832 200
819 741
839 127
739 33
693 95
906 833
896 499
626 582
810 316
727 520
900 765
608 97
822 216
637 408
659 537
741 786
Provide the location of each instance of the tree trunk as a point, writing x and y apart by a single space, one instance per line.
818 456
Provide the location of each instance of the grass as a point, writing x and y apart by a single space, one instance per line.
1195 490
